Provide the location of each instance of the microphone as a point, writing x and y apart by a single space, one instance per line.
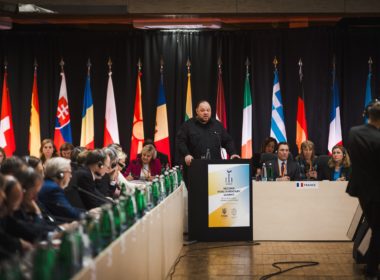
220 143
104 199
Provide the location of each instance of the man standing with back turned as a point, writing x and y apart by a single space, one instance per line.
364 150
203 137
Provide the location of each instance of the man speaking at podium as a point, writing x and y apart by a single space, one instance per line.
203 137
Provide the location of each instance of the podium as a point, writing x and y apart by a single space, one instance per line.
220 200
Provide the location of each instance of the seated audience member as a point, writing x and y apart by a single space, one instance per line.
145 167
52 196
47 150
96 166
307 161
108 184
284 169
12 165
35 163
75 157
164 159
3 156
338 167
66 150
9 245
269 146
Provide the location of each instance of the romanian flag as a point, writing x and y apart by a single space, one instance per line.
87 133
111 129
189 103
161 136
246 138
301 133
221 106
62 132
138 124
7 138
34 129
335 132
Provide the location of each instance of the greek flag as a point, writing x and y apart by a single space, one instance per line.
277 129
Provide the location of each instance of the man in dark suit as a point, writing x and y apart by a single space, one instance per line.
96 166
364 150
284 169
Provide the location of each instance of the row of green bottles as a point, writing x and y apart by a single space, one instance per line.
10 270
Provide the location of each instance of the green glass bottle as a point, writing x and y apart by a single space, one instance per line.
123 190
130 210
116 218
155 192
43 261
93 232
64 268
140 202
107 226
123 214
172 180
167 184
179 169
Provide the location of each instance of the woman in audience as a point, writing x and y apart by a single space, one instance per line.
52 196
269 146
12 165
3 156
9 245
145 167
307 161
47 150
338 167
35 163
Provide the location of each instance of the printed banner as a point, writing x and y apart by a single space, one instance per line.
228 195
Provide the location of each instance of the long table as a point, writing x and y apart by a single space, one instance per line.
287 211
145 251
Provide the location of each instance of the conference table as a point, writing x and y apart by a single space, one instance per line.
148 249
291 211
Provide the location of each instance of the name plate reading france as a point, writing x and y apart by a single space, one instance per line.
307 185
228 195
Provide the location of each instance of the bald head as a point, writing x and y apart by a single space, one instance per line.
203 111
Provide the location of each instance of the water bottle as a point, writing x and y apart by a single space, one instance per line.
270 172
208 155
264 175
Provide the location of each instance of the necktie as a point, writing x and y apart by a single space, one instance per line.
283 169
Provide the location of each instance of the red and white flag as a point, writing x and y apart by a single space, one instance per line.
111 129
7 138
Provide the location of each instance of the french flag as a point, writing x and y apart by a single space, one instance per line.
62 132
335 133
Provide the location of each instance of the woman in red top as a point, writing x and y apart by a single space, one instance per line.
145 167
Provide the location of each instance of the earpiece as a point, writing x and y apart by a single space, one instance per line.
60 175
100 164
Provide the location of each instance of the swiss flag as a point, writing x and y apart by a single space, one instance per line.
7 138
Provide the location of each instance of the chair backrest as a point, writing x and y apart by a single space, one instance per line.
267 156
322 160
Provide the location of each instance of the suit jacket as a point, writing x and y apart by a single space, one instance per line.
83 179
135 166
327 173
364 150
292 169
53 198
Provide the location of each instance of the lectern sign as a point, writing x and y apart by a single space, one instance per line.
228 195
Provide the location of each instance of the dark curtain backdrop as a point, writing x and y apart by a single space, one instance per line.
316 47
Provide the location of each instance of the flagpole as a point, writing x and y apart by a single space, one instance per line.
162 69
62 64
275 63
247 64
188 65
300 69
370 62
88 66
5 64
35 64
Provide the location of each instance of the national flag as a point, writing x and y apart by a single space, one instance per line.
221 106
368 89
7 138
301 133
335 133
34 129
111 129
189 103
87 132
161 136
246 138
277 130
138 124
62 132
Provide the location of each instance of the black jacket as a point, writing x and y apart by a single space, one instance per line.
364 150
292 169
194 138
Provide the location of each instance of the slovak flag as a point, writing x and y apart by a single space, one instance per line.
335 133
62 132
7 138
